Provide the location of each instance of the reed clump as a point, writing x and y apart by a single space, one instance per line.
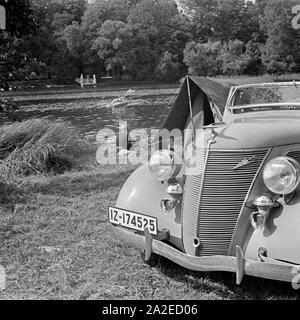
37 146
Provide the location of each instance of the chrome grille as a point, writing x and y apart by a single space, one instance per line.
191 200
214 198
295 154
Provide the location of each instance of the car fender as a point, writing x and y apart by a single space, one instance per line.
281 235
142 193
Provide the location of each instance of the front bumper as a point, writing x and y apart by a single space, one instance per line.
273 269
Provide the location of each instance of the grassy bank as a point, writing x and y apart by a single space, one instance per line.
36 96
58 245
112 91
55 243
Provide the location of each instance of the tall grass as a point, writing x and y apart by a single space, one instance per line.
36 146
10 191
39 146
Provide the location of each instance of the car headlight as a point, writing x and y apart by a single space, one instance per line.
281 175
162 165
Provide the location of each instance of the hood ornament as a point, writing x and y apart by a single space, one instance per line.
213 132
244 162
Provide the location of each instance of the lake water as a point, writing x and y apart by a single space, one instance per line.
91 115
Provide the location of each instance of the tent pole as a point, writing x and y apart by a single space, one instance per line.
191 109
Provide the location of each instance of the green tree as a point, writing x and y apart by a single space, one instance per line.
113 43
236 20
50 44
222 20
157 28
65 12
14 60
233 57
281 52
20 20
14 63
203 58
202 14
254 50
168 68
101 10
213 58
78 47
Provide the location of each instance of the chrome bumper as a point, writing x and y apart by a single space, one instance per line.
274 270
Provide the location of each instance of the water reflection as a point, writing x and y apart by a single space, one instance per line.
89 116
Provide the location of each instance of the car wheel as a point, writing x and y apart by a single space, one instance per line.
153 261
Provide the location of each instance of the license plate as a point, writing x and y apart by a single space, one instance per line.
132 220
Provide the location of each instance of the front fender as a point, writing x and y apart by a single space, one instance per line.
281 235
142 193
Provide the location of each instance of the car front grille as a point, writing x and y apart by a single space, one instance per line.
295 154
214 197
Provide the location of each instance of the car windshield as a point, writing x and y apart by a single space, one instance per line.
266 95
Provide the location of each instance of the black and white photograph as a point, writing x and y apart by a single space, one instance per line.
149 151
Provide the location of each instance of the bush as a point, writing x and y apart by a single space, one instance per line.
39 146
167 69
276 63
254 52
281 50
202 58
214 58
234 60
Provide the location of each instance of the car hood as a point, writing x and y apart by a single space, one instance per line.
257 132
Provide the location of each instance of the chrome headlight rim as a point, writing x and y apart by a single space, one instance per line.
287 164
171 169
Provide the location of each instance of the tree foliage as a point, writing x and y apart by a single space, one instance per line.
101 10
13 54
281 51
148 39
168 68
20 20
233 57
202 58
113 44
